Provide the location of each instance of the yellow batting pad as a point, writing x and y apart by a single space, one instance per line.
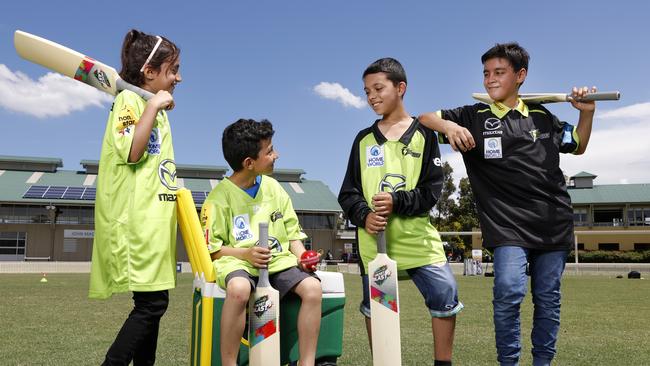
192 233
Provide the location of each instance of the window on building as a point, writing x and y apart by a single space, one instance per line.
581 246
67 215
38 215
87 215
608 217
6 212
608 246
580 217
21 215
12 245
317 221
638 216
641 246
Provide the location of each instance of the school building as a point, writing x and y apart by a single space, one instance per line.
609 216
47 214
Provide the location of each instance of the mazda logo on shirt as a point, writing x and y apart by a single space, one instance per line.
167 174
273 244
492 124
392 183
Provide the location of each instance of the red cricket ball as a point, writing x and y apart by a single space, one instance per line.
310 260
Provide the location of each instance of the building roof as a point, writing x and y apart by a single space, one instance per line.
611 194
584 175
27 163
306 195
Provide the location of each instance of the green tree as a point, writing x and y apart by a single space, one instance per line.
446 203
465 213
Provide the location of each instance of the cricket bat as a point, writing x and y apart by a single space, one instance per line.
554 97
264 316
384 307
72 64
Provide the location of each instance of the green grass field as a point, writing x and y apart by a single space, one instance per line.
605 321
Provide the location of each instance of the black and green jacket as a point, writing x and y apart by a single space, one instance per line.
411 170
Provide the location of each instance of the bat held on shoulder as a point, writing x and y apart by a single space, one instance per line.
73 64
554 97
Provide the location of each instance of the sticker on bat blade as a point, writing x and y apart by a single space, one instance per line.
383 288
263 322
84 69
89 72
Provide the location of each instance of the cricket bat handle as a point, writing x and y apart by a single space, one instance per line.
614 95
381 242
264 243
123 85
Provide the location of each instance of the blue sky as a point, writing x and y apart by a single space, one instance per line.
281 60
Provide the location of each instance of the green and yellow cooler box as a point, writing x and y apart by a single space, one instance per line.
206 319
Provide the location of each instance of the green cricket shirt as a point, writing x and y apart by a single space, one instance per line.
230 216
135 207
411 170
514 170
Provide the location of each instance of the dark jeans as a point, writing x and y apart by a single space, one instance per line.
138 337
510 288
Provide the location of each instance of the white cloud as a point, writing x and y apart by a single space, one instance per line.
52 95
634 111
337 92
618 152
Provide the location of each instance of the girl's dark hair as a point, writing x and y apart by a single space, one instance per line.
136 48
243 139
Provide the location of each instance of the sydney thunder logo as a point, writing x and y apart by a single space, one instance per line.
381 274
262 305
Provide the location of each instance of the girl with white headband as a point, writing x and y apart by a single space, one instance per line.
135 210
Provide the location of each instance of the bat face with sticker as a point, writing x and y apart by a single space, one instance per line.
384 307
264 315
72 64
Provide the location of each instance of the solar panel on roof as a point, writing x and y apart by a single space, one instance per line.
61 192
199 197
89 194
55 192
35 192
73 193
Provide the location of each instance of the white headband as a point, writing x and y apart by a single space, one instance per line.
155 48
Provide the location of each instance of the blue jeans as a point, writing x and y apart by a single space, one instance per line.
510 288
437 285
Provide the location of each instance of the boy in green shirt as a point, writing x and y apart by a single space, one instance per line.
231 215
393 180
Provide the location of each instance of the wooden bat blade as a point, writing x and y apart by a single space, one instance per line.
72 64
66 61
264 317
553 97
384 308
